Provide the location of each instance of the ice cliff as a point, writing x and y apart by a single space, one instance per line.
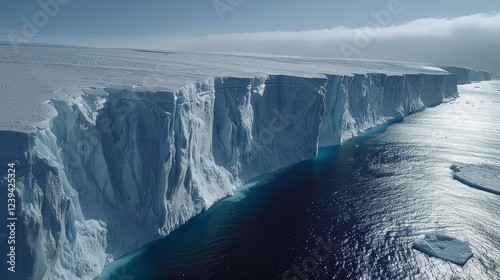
466 76
116 167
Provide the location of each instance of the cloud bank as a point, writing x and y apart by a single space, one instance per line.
472 41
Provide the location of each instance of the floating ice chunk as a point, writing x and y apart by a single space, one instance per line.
483 177
445 247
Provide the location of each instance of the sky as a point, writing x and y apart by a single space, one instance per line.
463 33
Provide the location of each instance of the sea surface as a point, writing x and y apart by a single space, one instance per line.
352 212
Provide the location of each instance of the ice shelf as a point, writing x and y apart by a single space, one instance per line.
116 148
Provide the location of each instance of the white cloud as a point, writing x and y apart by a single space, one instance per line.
472 41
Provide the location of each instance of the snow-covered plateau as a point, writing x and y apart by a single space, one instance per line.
116 148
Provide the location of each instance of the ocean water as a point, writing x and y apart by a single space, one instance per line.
352 212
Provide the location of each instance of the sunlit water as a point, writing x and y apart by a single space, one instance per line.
371 198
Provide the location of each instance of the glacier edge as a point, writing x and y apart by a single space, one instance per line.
118 168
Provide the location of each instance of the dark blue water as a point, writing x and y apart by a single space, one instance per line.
353 212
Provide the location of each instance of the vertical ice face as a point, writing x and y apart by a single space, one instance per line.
54 241
118 168
15 148
466 76
259 122
141 161
359 102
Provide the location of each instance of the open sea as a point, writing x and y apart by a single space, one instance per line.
352 212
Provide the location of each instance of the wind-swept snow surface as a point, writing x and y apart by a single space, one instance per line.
117 148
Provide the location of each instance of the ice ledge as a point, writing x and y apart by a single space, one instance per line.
202 142
466 75
54 72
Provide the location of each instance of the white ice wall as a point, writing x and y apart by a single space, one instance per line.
119 168
259 122
466 75
359 102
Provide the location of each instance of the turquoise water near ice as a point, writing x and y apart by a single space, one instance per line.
370 198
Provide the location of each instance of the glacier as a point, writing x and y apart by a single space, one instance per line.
117 148
466 76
